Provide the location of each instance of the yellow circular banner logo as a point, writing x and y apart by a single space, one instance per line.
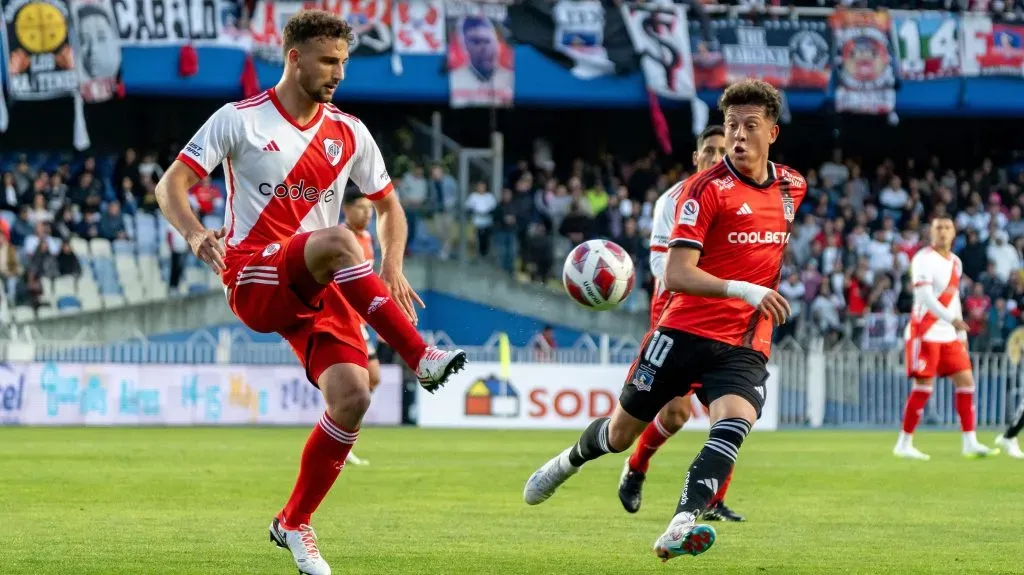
40 28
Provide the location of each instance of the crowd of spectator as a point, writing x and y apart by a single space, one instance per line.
46 202
846 272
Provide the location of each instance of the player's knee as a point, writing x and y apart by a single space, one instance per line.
673 418
338 248
349 406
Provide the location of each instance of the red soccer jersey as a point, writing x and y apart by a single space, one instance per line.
742 229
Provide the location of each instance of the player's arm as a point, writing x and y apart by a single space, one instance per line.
208 148
371 175
661 232
695 216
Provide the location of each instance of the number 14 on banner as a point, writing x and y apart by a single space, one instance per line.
927 44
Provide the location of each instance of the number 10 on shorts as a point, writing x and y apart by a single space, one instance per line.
657 351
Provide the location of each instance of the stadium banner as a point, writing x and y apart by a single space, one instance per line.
418 26
586 36
788 54
992 48
39 54
547 396
370 21
182 395
169 22
926 44
866 79
481 64
98 49
661 38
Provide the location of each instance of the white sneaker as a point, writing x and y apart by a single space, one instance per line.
302 543
1011 447
684 537
437 365
909 452
351 458
978 451
543 483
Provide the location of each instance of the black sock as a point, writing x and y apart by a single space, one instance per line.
592 444
1017 424
712 465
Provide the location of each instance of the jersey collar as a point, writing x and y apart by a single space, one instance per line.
749 181
284 113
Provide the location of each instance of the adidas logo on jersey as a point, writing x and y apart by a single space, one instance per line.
271 147
744 210
376 304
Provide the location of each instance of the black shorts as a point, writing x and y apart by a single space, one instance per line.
673 362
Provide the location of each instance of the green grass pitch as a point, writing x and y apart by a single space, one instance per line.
182 501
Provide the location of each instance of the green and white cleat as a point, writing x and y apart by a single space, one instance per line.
684 537
979 451
1011 446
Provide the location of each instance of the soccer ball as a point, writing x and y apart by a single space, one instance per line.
598 274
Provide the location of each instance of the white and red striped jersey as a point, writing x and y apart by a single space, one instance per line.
942 273
283 178
664 217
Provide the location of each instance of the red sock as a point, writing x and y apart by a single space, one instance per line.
916 401
322 460
720 496
654 436
965 408
369 297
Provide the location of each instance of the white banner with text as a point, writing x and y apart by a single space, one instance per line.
548 396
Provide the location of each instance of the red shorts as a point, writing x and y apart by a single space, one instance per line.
927 359
273 291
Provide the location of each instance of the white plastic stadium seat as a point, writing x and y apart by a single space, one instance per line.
23 313
46 311
64 285
113 300
100 248
155 290
127 269
90 299
81 248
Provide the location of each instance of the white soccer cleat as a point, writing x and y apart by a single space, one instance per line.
543 483
979 451
302 543
351 458
684 537
909 452
1011 447
437 365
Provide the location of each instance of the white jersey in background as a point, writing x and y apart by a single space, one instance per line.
936 280
282 178
664 219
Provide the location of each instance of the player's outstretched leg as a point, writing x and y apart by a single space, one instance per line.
732 417
920 391
963 382
334 254
669 420
1008 440
347 395
605 435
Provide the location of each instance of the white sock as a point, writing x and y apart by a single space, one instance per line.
905 440
970 439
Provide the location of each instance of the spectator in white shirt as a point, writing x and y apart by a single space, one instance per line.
835 170
879 253
894 198
42 235
480 204
1003 255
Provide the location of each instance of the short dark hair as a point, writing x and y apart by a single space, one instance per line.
753 93
712 130
351 197
312 24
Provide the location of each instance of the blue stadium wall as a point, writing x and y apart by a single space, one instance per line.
467 323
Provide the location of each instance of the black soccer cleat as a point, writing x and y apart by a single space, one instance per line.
631 486
720 512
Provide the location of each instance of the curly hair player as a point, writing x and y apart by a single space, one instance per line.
288 267
724 261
